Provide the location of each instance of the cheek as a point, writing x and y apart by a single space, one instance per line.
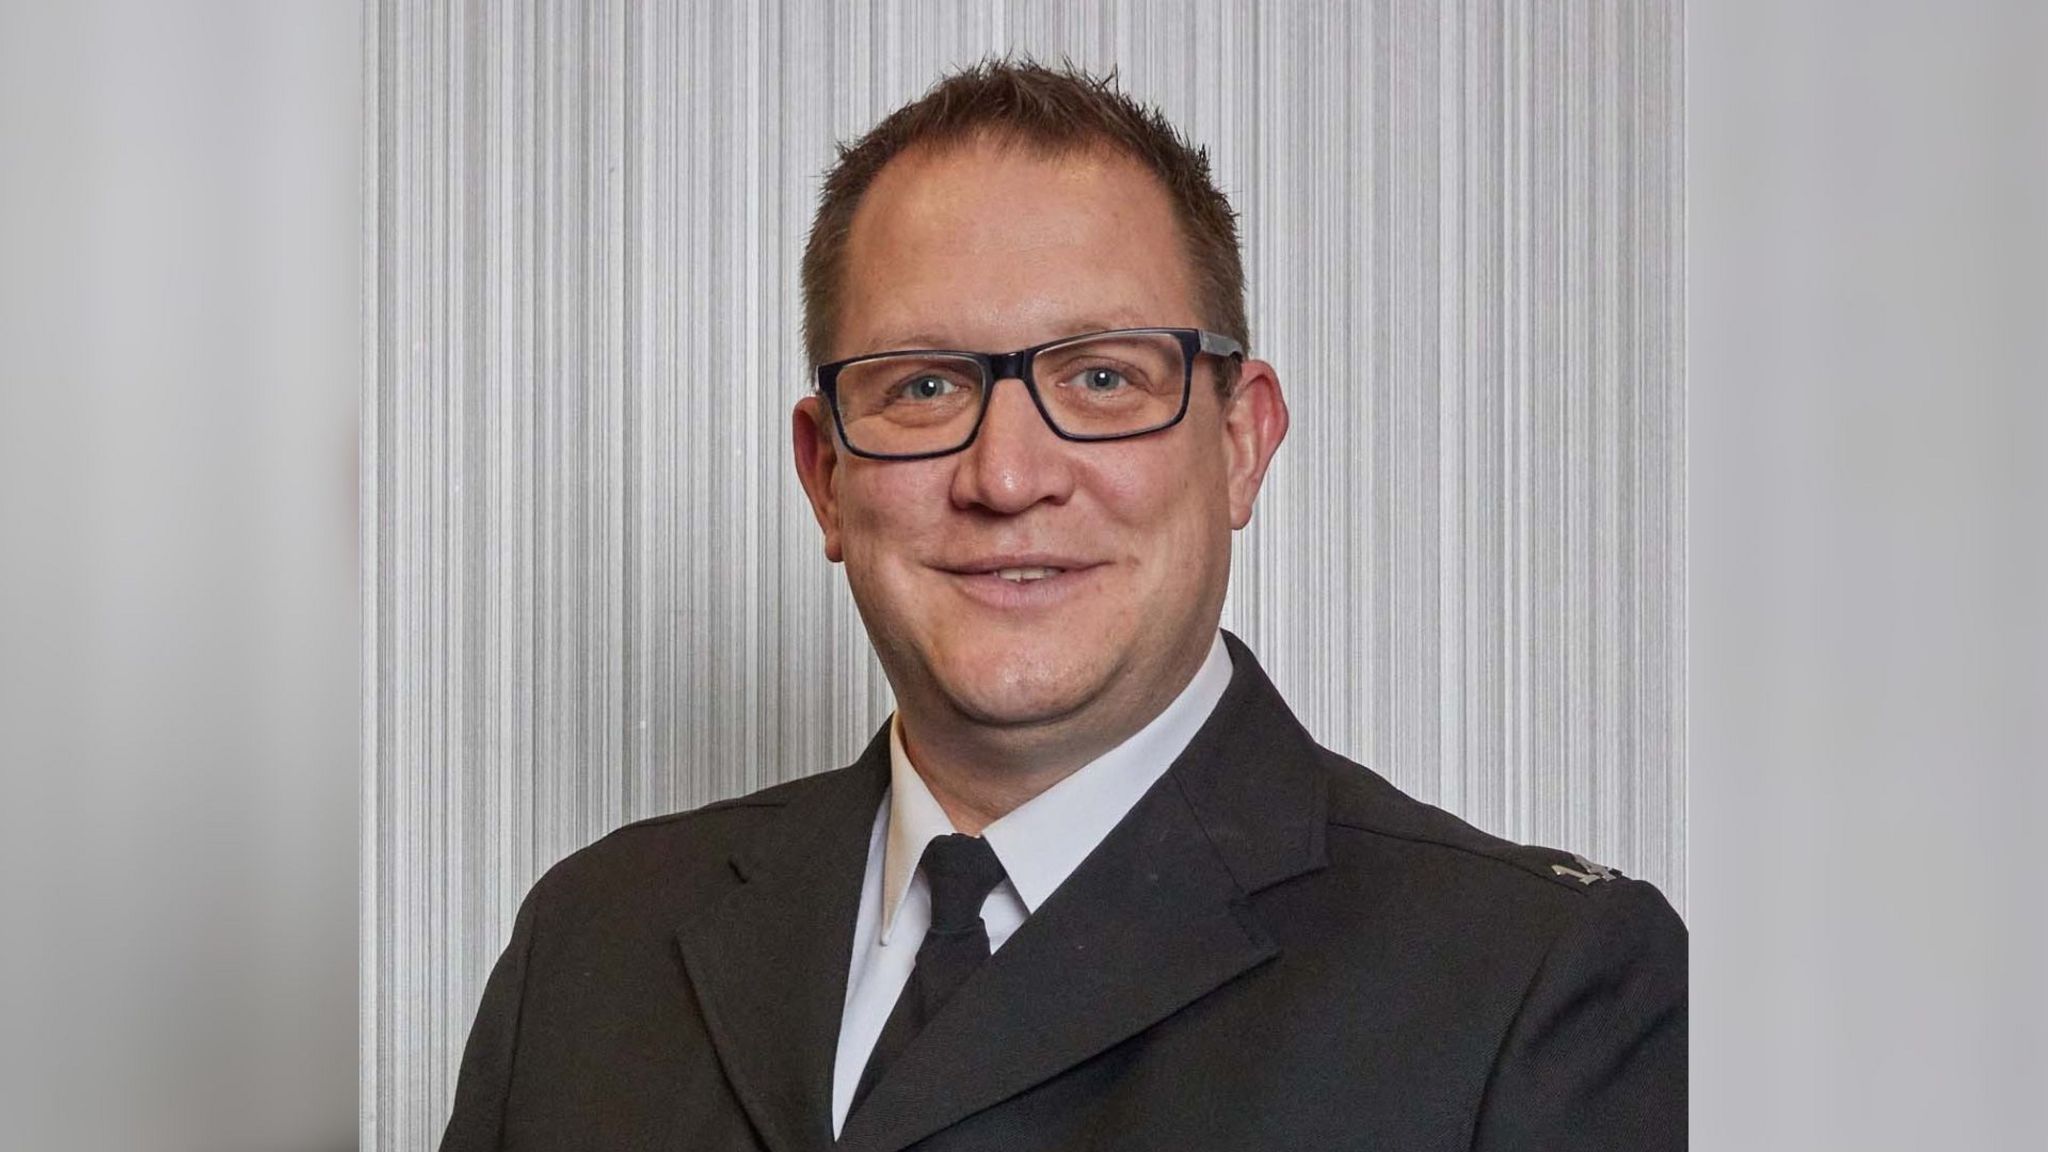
885 511
1173 495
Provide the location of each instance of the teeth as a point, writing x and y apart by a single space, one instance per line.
1022 575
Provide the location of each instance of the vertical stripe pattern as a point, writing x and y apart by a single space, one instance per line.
594 591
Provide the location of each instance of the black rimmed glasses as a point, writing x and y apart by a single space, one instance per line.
924 402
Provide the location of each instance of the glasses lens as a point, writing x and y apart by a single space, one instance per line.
904 405
1112 385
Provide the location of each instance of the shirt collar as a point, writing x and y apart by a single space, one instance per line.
915 820
1043 840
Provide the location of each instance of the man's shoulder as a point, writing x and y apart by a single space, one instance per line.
1375 838
1372 823
674 858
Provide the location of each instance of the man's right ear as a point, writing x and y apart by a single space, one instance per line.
817 467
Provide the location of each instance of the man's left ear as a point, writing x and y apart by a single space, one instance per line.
1254 423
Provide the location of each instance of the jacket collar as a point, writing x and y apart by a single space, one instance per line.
1152 921
1254 779
768 965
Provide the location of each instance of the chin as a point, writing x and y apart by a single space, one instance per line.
1018 688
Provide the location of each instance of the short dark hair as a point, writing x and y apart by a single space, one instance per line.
1059 110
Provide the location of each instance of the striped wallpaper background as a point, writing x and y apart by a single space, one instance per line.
594 593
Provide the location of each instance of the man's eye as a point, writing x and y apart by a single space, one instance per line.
926 388
1099 380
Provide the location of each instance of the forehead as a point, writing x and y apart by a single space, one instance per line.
994 245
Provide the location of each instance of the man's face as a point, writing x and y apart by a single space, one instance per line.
991 248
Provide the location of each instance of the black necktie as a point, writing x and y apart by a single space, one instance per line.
962 871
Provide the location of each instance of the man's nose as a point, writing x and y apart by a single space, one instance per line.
1016 460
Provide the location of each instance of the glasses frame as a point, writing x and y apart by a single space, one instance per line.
999 366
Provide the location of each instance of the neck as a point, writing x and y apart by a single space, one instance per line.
980 777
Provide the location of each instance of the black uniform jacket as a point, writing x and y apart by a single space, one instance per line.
1276 949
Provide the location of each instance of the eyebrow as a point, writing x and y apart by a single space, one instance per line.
918 340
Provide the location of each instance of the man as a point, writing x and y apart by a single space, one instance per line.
1093 886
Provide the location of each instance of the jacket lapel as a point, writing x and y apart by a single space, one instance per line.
769 965
1151 922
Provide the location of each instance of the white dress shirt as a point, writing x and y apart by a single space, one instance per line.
1040 843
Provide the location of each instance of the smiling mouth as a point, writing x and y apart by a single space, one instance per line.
1016 591
1013 581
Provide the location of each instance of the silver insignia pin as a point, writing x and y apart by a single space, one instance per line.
1592 871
